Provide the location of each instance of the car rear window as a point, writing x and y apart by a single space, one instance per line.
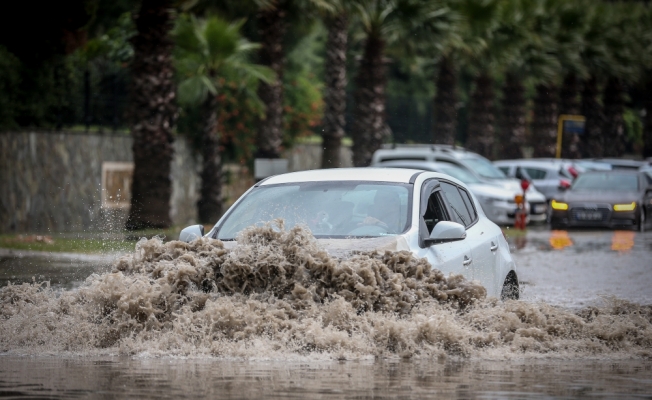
608 182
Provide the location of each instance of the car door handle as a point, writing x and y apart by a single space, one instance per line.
467 261
494 246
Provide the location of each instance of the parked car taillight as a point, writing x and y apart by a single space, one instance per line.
573 172
564 183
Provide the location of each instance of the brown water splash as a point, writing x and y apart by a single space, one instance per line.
279 295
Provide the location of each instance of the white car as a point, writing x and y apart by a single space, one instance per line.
429 214
477 165
498 202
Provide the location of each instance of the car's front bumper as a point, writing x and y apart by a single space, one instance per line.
601 215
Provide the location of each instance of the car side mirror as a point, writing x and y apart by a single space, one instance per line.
446 231
191 233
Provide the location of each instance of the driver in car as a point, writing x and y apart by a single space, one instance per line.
385 211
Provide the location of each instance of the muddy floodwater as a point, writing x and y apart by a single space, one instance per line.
278 317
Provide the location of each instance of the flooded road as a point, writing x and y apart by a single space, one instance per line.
579 268
152 328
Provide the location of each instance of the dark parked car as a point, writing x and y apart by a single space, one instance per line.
620 198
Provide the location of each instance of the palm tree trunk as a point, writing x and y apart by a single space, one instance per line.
369 128
444 128
480 137
512 132
154 114
335 96
209 205
271 22
647 122
570 105
614 127
592 143
544 123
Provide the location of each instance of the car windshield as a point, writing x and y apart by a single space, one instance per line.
328 209
606 182
484 168
459 173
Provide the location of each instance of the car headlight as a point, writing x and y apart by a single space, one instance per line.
625 207
557 205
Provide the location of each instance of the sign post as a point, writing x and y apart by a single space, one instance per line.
568 124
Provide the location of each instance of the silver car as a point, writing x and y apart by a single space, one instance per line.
477 165
497 202
434 216
549 176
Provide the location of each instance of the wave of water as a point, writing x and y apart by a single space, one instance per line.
278 295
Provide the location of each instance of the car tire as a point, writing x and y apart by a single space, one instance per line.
511 290
641 221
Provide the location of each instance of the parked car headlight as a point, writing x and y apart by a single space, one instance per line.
625 207
557 205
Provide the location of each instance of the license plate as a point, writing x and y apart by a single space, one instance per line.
589 215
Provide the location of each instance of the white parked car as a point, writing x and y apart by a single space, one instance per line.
429 214
479 166
498 202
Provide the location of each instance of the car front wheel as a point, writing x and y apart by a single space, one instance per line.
642 221
511 289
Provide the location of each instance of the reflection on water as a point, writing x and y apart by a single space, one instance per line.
622 241
560 239
174 378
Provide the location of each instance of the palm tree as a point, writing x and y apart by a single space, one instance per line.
445 123
384 22
597 58
272 26
449 47
553 46
623 39
569 40
647 123
154 113
209 52
645 24
484 54
335 79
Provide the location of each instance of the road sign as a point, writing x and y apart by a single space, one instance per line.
569 125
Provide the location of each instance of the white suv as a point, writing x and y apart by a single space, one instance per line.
479 166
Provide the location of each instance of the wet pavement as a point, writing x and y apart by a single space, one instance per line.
581 267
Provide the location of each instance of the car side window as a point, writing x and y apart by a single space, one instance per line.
460 213
535 173
469 204
435 211
648 176
505 170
